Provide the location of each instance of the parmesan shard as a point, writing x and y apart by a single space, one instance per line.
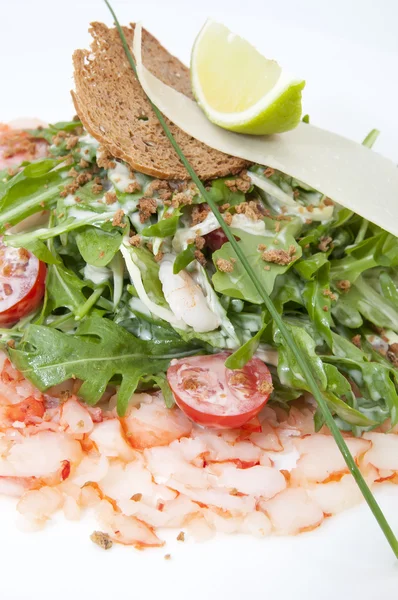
352 175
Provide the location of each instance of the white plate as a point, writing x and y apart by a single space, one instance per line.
348 53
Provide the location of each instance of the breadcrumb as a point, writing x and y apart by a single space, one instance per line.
242 183
343 285
110 198
101 539
265 387
224 265
118 219
146 208
325 243
278 257
135 240
269 171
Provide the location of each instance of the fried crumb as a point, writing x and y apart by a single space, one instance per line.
238 378
325 243
136 497
71 142
234 492
72 172
224 265
344 285
167 556
161 187
262 247
110 198
277 226
328 202
181 537
225 207
329 294
356 340
135 240
292 250
227 218
200 257
97 188
117 220
83 163
133 187
278 257
269 171
11 343
199 213
101 539
190 383
265 387
158 257
242 183
146 208
104 158
252 210
267 268
325 308
200 242
83 178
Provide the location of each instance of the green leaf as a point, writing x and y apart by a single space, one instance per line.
96 246
237 283
307 267
98 352
242 355
339 388
223 195
165 227
39 249
290 373
149 269
36 187
388 288
64 288
361 257
184 258
318 304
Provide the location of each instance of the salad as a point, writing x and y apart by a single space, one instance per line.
165 337
139 275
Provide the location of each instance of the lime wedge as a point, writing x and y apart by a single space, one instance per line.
238 88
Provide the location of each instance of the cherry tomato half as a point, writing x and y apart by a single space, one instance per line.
22 283
214 396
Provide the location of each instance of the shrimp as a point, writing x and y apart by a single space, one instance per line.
185 298
17 145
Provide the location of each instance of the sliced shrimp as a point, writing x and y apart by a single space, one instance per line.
110 440
152 424
126 530
384 451
320 458
185 298
75 417
17 145
292 511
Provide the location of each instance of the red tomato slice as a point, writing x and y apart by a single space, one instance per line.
214 396
22 283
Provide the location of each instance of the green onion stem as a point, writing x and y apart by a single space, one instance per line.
89 303
302 362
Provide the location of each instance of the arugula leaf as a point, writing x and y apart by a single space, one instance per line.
237 283
242 355
388 288
306 267
98 352
289 372
339 388
316 295
184 258
365 255
35 187
165 227
96 246
39 249
64 288
221 193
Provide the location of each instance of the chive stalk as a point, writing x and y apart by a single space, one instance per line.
301 360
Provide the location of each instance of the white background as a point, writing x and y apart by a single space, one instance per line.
348 52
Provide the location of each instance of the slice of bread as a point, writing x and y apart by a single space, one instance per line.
114 109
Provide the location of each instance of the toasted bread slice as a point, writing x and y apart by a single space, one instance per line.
114 109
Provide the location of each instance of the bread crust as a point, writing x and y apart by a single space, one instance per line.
115 110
